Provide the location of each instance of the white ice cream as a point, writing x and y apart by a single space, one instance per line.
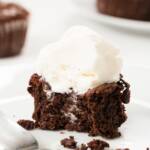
81 60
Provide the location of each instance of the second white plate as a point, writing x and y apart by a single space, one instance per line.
88 9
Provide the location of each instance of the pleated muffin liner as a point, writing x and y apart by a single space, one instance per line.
12 37
125 9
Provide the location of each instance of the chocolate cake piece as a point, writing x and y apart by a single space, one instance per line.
97 145
69 142
132 9
13 28
27 124
99 111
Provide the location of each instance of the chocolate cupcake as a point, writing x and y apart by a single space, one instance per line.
13 28
132 9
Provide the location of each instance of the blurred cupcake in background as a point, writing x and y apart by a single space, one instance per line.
132 9
13 28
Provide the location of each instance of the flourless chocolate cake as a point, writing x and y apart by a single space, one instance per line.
13 28
132 9
84 95
99 111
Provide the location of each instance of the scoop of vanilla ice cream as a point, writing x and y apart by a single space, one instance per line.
81 60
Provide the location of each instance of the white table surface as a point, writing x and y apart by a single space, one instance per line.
50 18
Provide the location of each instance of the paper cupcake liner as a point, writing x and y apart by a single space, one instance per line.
12 37
137 9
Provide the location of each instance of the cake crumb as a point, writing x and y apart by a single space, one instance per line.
69 143
62 132
92 145
26 124
97 145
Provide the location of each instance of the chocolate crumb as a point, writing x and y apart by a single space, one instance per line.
69 142
82 147
122 149
61 132
27 124
94 145
97 145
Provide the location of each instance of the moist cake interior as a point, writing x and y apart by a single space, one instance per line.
99 111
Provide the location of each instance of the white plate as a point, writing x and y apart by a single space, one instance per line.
135 132
88 9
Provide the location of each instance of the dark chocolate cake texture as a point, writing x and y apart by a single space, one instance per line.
131 9
99 111
76 94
